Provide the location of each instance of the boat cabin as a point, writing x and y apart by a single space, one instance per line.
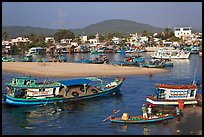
27 87
175 92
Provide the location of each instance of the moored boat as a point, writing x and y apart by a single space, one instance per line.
140 119
8 59
100 59
168 94
171 54
130 61
27 91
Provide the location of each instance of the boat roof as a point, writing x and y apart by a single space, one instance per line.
25 78
70 82
169 86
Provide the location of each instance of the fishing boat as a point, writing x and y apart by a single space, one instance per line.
26 58
130 61
93 52
8 59
27 91
167 62
169 94
194 49
100 59
126 119
155 63
170 54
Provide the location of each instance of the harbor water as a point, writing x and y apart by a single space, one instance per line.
85 117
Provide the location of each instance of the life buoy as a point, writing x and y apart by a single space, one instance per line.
94 91
75 94
82 88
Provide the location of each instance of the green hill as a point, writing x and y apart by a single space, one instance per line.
104 27
116 25
15 31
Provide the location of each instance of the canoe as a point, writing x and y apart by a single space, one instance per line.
140 119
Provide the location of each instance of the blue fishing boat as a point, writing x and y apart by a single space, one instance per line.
100 59
126 119
8 59
130 61
27 91
26 58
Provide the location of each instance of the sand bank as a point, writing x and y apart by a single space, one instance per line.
56 69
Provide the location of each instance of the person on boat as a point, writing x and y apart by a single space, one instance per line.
116 79
178 113
144 111
149 111
28 82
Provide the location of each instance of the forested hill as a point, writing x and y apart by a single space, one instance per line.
15 31
104 27
116 25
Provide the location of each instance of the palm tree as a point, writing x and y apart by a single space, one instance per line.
5 36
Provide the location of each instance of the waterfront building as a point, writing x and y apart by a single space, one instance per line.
182 31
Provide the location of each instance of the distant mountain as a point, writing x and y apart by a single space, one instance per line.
116 25
15 31
104 27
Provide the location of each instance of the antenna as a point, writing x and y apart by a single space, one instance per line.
194 82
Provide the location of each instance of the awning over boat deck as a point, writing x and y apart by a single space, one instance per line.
71 82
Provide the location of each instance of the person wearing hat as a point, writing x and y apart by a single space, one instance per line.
149 111
144 112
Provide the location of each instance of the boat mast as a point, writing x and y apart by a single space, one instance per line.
194 82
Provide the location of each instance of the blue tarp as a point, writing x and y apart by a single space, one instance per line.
71 82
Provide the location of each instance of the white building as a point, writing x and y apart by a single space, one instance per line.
83 38
116 40
49 39
65 41
182 31
20 40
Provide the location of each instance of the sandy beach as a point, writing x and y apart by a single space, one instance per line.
56 69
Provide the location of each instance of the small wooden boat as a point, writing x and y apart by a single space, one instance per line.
168 94
130 61
8 59
140 119
27 91
100 59
26 58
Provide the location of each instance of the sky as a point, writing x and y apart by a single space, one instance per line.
73 15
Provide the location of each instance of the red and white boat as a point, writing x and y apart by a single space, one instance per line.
168 94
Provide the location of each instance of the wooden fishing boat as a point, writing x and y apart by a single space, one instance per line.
168 94
27 91
26 58
140 119
8 59
130 61
100 59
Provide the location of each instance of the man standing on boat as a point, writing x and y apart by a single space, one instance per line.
149 111
144 111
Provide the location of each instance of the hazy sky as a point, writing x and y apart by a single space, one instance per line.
72 15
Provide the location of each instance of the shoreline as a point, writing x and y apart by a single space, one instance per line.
56 69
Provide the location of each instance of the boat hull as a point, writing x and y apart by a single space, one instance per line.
135 120
155 102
